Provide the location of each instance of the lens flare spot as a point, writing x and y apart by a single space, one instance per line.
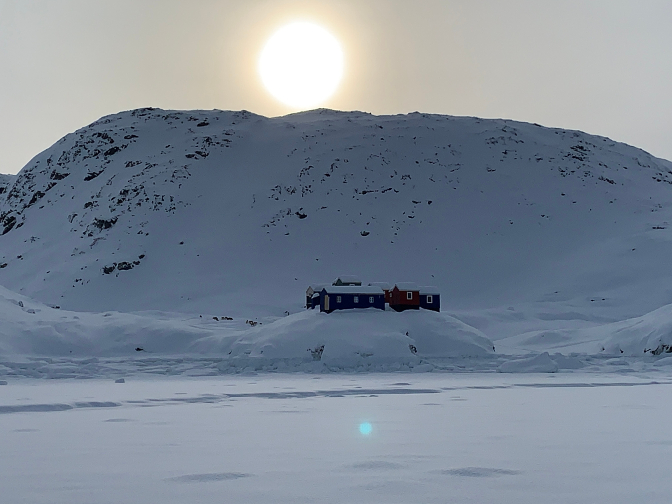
365 428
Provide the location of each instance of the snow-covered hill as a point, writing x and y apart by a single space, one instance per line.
369 339
231 213
649 334
5 182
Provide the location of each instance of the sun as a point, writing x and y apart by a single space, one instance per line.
301 65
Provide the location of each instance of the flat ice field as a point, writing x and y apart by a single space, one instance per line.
571 437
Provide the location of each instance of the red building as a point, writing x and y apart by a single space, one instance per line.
404 296
387 289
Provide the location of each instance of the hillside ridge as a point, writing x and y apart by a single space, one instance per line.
235 213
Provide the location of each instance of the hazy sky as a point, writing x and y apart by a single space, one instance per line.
601 66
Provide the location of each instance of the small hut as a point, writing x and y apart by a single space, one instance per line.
405 296
430 298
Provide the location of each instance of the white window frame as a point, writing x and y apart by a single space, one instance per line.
338 299
356 299
430 299
370 299
409 295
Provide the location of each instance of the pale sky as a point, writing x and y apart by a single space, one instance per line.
600 66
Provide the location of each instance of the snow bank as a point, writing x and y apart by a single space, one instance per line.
565 362
353 338
650 333
32 328
339 340
539 364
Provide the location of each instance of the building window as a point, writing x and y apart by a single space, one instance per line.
409 295
429 300
356 299
370 299
338 299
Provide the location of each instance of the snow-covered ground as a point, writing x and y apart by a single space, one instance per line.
356 339
145 225
435 438
521 227
370 339
153 267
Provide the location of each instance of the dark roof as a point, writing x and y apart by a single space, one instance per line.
353 289
348 279
317 287
407 286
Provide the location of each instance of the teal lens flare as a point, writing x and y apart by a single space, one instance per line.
365 428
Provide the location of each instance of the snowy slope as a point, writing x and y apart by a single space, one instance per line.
231 213
5 182
346 340
650 334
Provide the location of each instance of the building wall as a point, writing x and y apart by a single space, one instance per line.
399 297
434 306
348 301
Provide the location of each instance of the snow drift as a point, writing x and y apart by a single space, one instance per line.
649 334
541 363
350 337
345 340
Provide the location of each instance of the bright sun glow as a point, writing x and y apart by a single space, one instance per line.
301 65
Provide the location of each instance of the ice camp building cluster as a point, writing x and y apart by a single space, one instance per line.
347 293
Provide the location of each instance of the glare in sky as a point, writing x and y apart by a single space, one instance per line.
301 65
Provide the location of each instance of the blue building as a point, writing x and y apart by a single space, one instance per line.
430 299
351 297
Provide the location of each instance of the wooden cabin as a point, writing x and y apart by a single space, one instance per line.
351 297
405 296
430 298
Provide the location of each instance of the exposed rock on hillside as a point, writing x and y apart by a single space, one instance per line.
239 212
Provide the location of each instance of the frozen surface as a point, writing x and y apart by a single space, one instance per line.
541 363
480 437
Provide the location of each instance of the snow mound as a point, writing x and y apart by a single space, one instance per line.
565 362
356 338
344 340
539 364
664 361
32 328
